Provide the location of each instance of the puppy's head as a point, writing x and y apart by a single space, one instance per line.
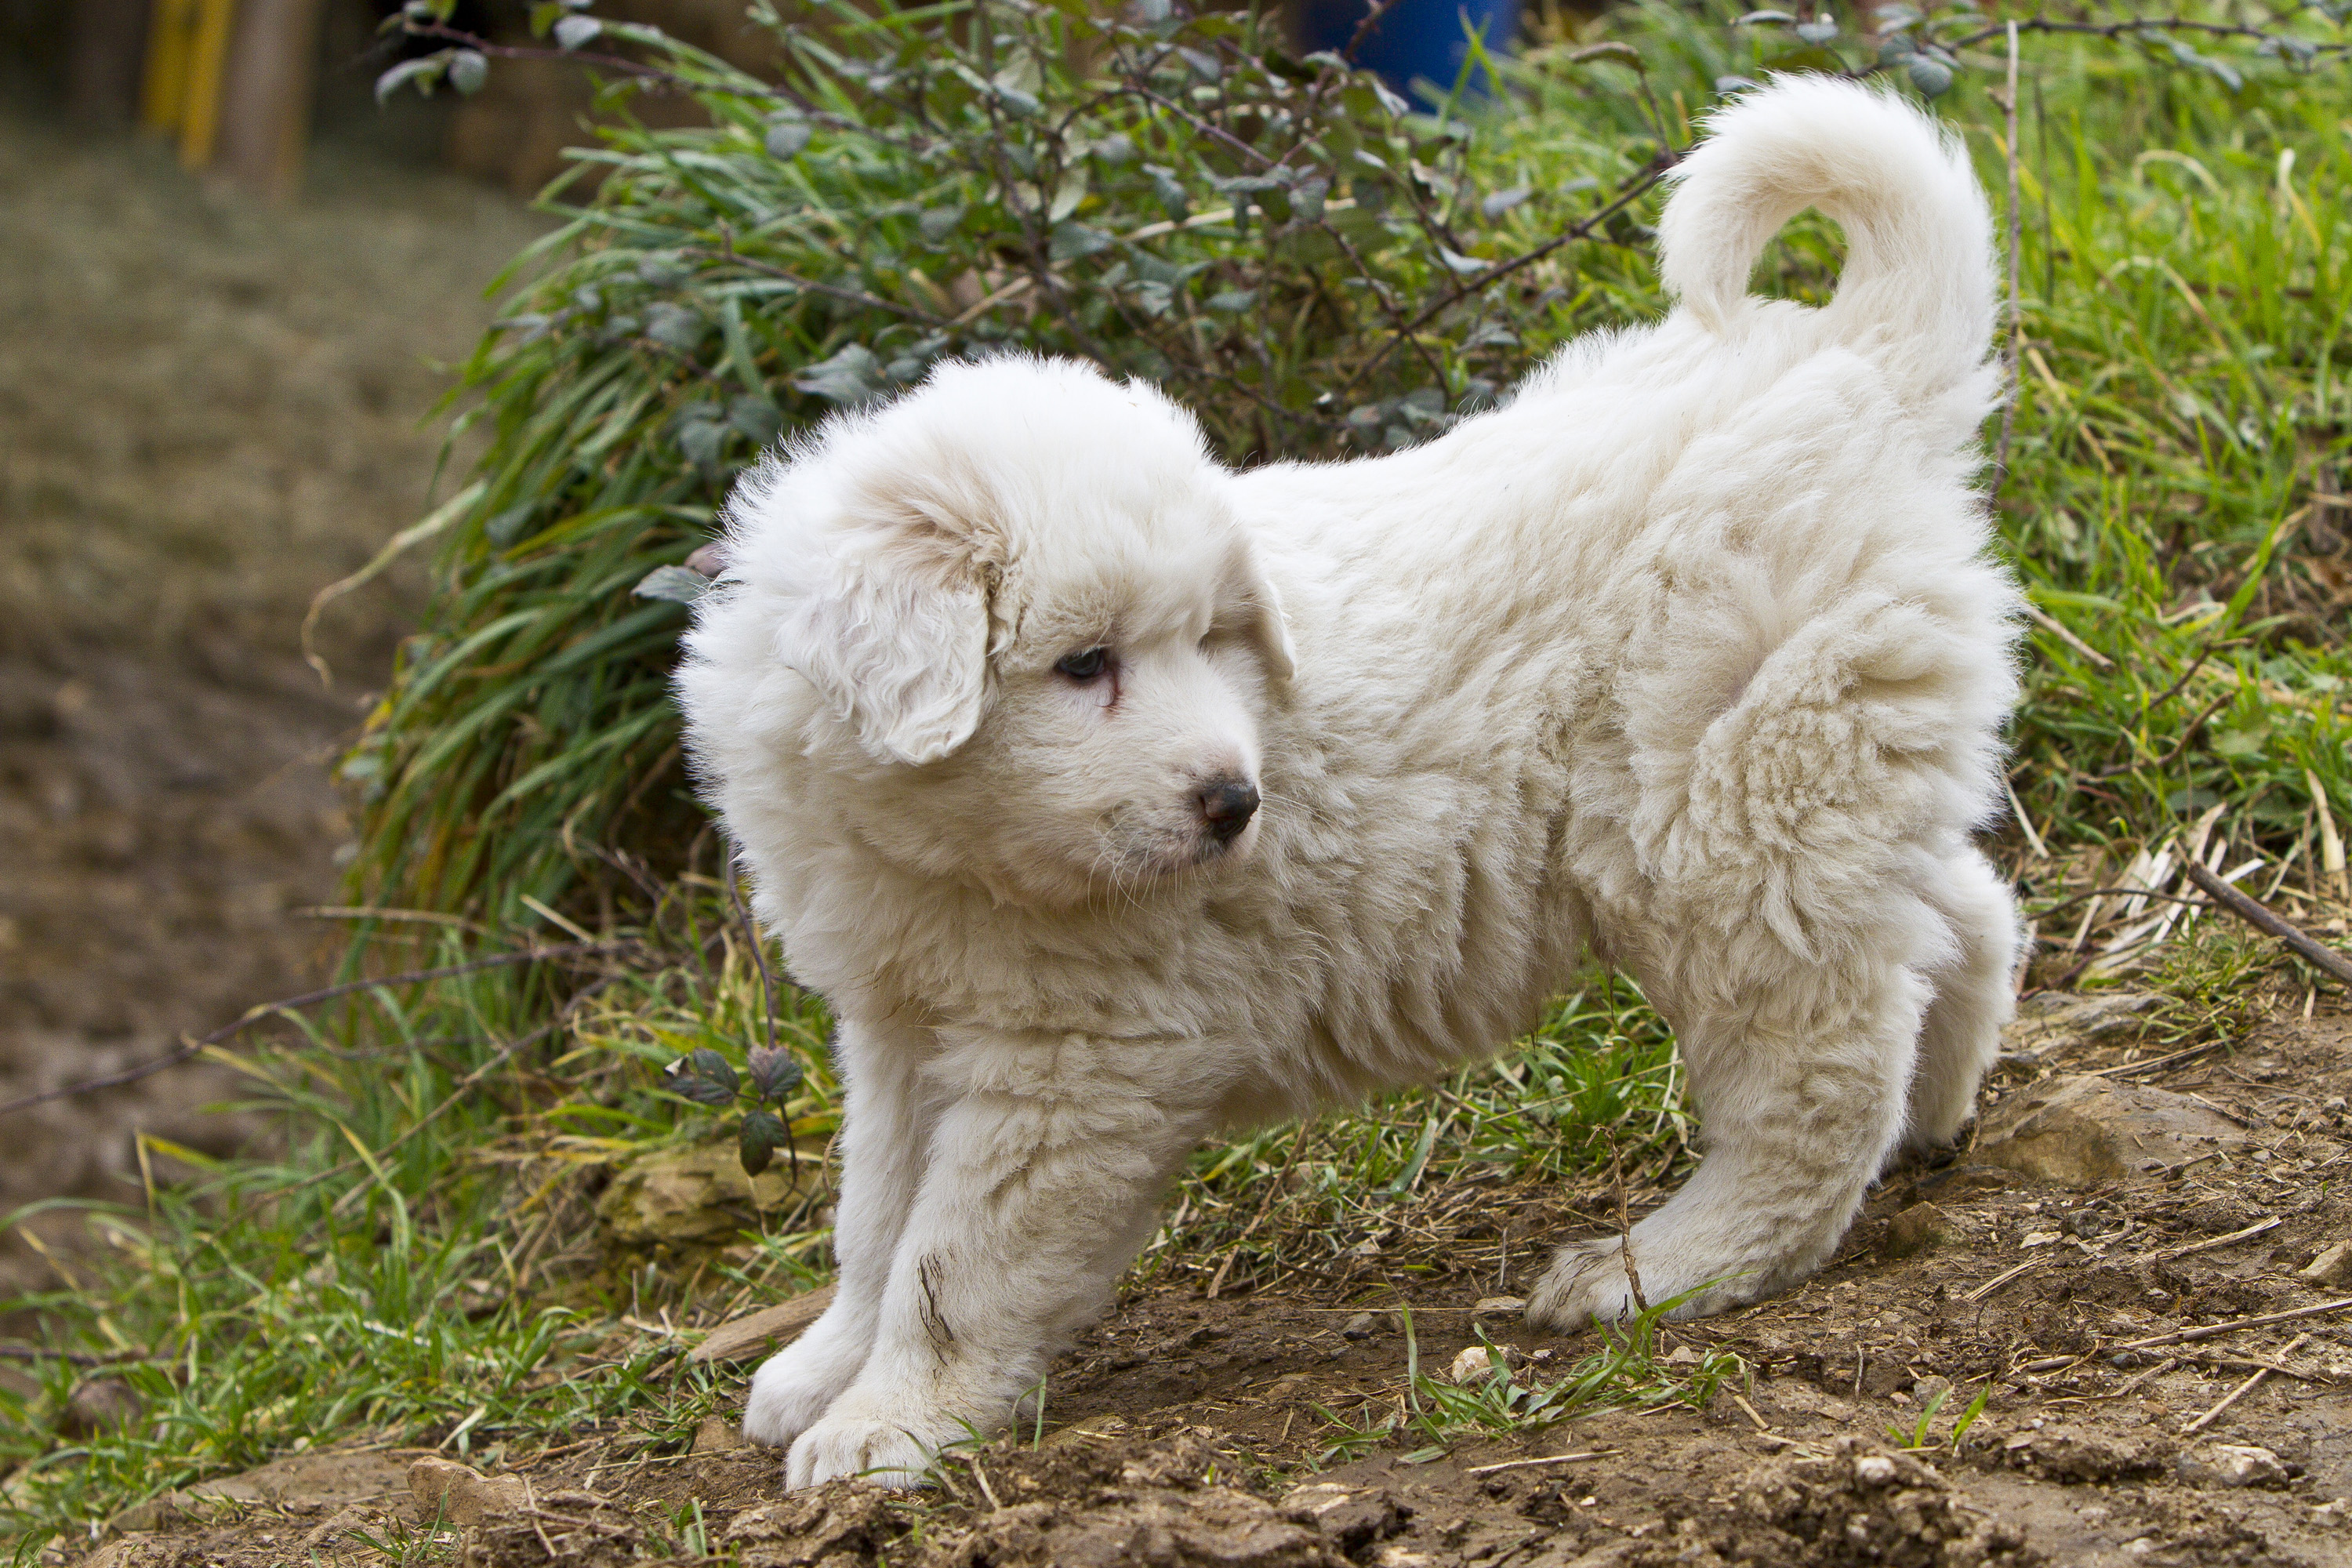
1033 627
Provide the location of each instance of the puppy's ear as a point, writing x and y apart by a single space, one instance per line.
1269 631
883 607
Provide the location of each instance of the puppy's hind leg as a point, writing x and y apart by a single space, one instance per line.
1800 1072
1974 998
884 1136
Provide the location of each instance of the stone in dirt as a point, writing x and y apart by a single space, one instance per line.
2231 1465
2051 1023
2073 1455
1855 1506
576 1529
461 1495
2077 1130
757 1334
842 1521
696 1194
2332 1268
1353 1517
1215 1527
1920 1228
322 1480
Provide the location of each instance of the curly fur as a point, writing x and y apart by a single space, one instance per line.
1690 656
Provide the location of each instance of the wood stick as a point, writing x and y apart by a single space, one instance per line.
1998 1280
2237 1393
2266 920
2211 1330
2211 1242
1549 1459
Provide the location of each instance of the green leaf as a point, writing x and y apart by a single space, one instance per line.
763 1133
468 69
425 73
1931 77
674 583
787 138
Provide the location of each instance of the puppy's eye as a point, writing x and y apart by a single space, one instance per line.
1083 665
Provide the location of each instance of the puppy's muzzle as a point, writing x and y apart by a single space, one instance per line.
1226 807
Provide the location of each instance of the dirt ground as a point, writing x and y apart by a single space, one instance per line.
2132 1236
208 411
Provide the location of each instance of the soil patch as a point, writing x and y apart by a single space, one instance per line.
2106 1319
208 412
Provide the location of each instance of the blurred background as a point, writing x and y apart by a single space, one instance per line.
233 287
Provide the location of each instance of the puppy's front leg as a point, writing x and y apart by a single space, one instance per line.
886 1131
1043 1180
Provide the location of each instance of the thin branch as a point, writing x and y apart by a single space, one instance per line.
2016 321
2266 920
193 1049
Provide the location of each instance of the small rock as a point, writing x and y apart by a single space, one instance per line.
461 1495
158 1513
2051 1023
1474 1362
1873 1469
698 1192
1353 1517
2332 1268
2083 1132
1500 1307
1920 1228
101 1405
2231 1465
717 1436
1363 1326
1927 1388
1681 1355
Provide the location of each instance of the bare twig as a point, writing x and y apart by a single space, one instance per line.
2008 355
193 1049
1998 1280
2239 1393
2213 1243
2058 629
2214 1331
2264 919
1548 1459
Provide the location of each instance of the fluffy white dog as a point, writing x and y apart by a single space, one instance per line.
1113 798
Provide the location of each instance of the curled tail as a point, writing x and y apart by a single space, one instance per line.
1917 288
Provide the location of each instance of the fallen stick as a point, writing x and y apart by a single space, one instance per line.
1548 1459
2263 917
2212 1242
2211 1330
2239 1393
1998 1280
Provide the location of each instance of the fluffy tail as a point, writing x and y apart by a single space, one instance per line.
1918 282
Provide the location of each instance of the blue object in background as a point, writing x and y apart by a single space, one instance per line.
1420 39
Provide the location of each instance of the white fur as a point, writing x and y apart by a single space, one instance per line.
1690 656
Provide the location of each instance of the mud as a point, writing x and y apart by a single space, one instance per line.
1189 1431
209 410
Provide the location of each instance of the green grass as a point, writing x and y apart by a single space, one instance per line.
1438 1414
416 1261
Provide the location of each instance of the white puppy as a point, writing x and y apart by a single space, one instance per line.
1113 798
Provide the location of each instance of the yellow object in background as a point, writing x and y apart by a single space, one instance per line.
187 44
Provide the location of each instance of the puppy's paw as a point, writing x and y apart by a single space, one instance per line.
1587 1282
846 1443
793 1390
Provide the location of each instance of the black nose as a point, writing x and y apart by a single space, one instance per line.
1227 806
